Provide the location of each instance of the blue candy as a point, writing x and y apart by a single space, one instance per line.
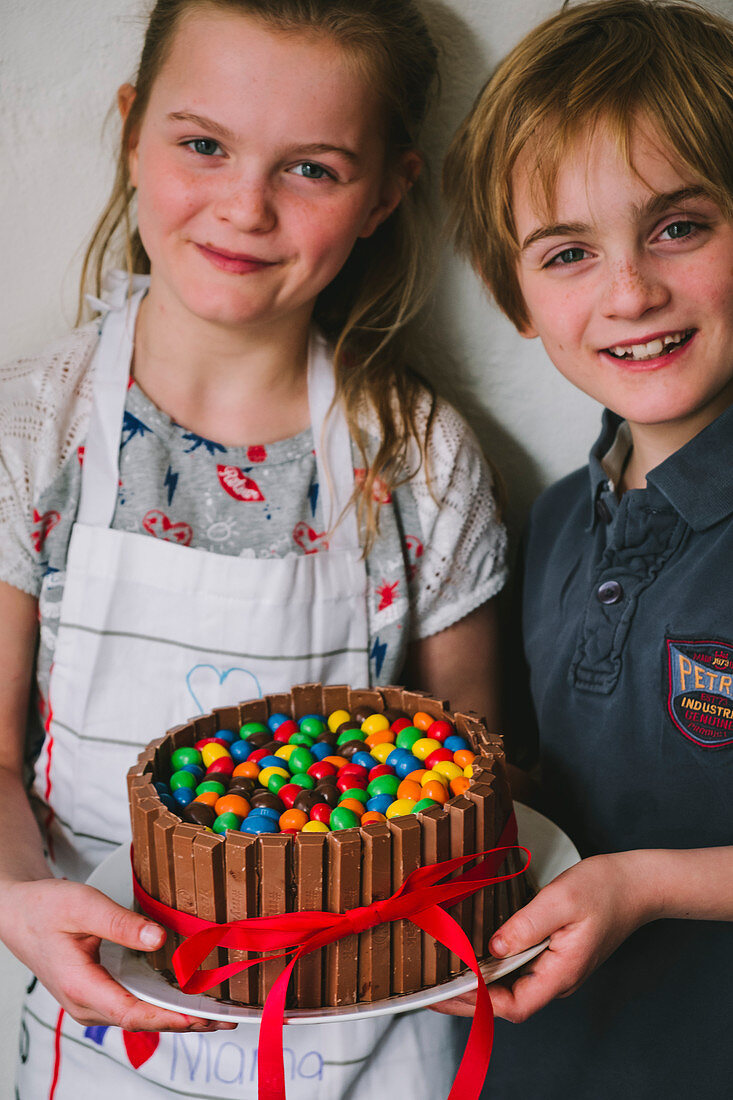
240 750
380 802
227 735
364 759
265 811
272 762
321 749
161 788
183 796
194 769
402 761
276 720
258 823
169 803
454 743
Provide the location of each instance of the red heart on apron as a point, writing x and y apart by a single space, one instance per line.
308 540
157 524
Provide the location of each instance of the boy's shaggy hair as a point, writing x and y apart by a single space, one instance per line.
611 62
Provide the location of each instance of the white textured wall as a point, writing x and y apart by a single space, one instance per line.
60 64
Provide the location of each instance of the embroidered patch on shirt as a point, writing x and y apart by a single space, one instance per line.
700 695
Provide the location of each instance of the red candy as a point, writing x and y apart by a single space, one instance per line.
349 781
256 756
224 765
285 729
212 741
321 769
436 757
380 769
356 770
320 812
400 724
440 729
288 794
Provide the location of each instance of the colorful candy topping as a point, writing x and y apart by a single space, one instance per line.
318 774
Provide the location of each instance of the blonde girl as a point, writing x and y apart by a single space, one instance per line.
228 482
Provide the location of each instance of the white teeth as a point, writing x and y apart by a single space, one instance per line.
650 349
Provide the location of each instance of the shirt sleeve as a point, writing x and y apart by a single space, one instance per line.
459 561
44 408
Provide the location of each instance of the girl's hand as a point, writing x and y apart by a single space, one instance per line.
587 912
55 927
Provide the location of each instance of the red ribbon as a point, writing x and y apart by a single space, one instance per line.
419 899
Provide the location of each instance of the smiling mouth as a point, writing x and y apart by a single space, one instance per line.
653 349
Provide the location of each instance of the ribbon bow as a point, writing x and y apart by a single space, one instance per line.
292 935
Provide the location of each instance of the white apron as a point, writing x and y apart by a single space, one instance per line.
150 634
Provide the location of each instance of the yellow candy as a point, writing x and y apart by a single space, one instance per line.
422 748
400 807
267 773
468 771
315 827
381 752
210 753
374 723
285 751
448 769
334 721
429 776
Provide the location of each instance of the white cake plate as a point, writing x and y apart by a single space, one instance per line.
552 852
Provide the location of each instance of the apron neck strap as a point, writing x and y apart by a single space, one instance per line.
100 469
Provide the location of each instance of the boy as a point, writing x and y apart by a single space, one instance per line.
592 185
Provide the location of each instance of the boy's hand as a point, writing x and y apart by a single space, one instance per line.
55 927
587 912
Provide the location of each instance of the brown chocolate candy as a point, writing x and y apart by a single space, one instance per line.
198 813
306 800
350 747
328 793
265 798
260 739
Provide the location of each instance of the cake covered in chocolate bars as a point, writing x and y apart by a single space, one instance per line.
325 798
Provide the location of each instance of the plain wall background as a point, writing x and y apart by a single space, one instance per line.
60 66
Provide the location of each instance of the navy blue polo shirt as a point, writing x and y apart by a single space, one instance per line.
627 621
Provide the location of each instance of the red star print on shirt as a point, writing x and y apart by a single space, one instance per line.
387 594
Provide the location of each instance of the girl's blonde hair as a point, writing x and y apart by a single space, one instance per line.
610 62
367 309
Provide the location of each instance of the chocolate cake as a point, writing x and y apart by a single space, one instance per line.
237 873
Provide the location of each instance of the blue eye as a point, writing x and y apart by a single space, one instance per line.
310 171
676 230
206 147
569 256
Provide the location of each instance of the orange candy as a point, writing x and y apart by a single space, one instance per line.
372 817
460 784
353 804
409 788
435 790
209 797
337 761
417 775
380 737
292 821
464 757
422 721
232 804
248 769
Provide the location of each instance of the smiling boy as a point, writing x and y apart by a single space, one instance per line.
592 185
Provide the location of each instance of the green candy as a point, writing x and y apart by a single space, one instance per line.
311 726
226 821
351 735
407 737
384 784
302 779
424 804
275 782
300 759
343 818
183 756
182 779
211 785
249 728
356 792
302 739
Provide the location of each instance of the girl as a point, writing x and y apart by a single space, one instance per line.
238 486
